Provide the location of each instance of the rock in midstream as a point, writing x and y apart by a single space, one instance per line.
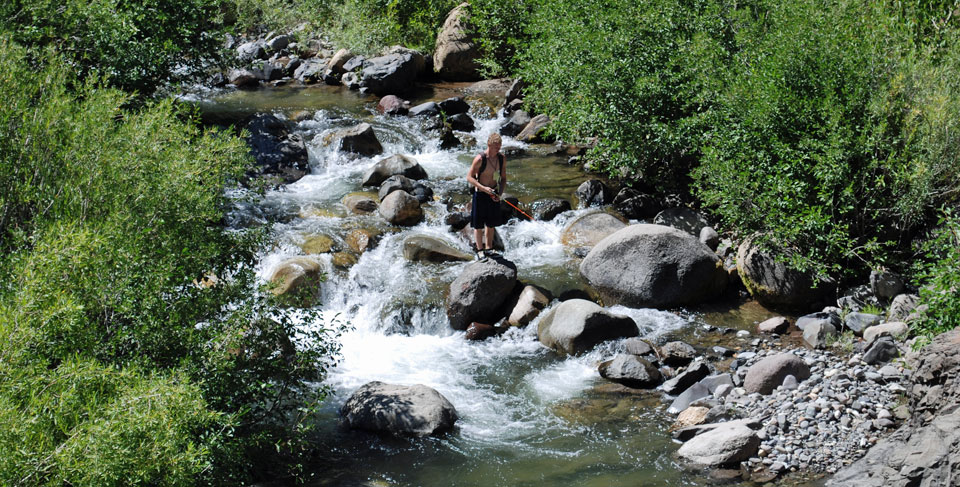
479 291
415 410
578 325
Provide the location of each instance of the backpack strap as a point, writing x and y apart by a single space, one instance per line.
483 163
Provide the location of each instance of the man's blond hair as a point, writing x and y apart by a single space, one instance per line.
494 139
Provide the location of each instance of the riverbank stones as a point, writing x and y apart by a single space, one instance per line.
765 375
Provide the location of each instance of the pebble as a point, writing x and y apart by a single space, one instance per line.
828 420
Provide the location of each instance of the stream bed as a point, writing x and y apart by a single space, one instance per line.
528 416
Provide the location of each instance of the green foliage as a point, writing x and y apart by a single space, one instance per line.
500 29
940 273
116 366
253 16
638 76
829 136
368 26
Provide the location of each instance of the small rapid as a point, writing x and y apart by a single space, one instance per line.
527 415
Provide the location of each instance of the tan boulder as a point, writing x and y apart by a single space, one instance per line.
296 275
456 56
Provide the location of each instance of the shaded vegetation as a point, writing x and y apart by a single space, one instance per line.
117 366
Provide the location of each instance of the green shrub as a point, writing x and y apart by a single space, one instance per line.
110 217
138 45
940 278
368 26
828 137
638 76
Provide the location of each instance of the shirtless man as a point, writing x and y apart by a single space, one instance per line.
486 200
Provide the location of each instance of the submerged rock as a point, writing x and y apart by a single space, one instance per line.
577 325
430 249
415 410
588 230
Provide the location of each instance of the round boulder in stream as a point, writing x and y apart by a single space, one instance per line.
430 249
400 208
654 266
480 291
297 276
415 410
631 371
394 165
578 325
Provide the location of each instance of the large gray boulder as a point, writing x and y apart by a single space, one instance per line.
479 291
682 219
399 410
359 139
886 285
516 123
891 328
654 266
395 183
815 335
391 74
430 249
577 325
400 208
726 444
772 282
903 306
588 230
767 374
397 164
857 322
631 371
677 354
456 56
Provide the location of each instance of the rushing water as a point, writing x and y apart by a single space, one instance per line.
528 416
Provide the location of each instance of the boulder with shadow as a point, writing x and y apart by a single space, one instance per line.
398 410
360 139
400 208
429 249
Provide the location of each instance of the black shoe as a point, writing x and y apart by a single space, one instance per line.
481 255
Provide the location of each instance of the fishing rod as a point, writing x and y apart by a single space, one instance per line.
531 218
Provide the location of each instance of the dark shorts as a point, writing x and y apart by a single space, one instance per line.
485 212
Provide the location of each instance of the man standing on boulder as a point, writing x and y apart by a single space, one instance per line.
485 213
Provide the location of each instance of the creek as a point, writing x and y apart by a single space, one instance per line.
528 416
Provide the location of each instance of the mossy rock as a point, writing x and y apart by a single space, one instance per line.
297 280
314 212
362 239
317 244
344 260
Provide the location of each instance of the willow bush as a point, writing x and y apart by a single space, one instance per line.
116 367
